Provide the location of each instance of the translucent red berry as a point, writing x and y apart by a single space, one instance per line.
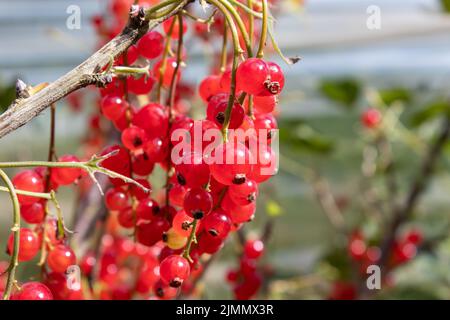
60 258
197 203
34 291
371 118
116 199
33 213
28 180
252 75
253 249
65 176
151 45
174 270
217 224
29 244
134 138
113 106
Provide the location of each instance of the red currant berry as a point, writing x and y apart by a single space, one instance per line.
142 165
142 85
28 180
371 118
193 171
253 249
66 176
182 223
231 164
265 104
174 270
148 233
33 213
216 112
217 224
153 119
116 199
126 217
164 291
34 291
134 138
209 87
252 76
147 209
168 71
113 106
197 203
151 45
175 29
276 83
61 258
243 194
29 244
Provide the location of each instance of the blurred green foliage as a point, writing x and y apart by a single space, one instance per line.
344 91
7 95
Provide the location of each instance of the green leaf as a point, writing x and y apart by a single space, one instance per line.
430 112
392 95
445 5
296 135
273 209
7 95
409 293
344 91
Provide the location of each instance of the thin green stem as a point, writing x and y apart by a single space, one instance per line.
152 13
262 40
191 239
14 262
237 52
240 24
41 195
223 58
171 97
162 68
247 9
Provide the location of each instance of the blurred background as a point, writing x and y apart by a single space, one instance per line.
345 67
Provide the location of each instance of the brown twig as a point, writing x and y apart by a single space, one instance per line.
23 110
402 213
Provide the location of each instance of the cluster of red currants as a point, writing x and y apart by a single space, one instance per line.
203 201
247 279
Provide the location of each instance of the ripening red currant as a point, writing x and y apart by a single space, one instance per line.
231 164
33 213
193 172
175 29
66 176
113 106
217 224
265 104
163 291
142 85
276 83
126 217
209 87
245 193
216 112
29 244
134 138
174 270
168 71
116 199
60 258
265 126
153 119
209 244
28 180
176 194
151 45
252 76
34 291
371 118
197 203
253 249
142 164
238 213
150 232
182 223
147 209
266 164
